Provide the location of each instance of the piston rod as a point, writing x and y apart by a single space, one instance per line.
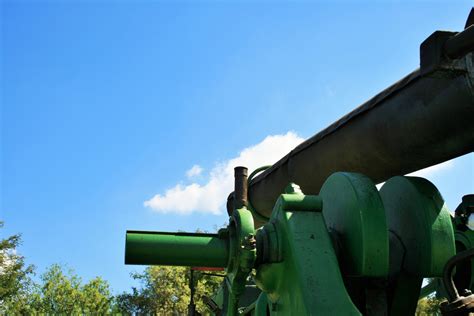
176 249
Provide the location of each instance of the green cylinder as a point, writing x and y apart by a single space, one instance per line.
176 249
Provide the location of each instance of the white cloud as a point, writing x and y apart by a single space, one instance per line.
211 196
433 170
194 171
429 172
10 257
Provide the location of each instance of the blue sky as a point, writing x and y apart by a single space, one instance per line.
106 105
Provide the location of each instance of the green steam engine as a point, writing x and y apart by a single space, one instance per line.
312 234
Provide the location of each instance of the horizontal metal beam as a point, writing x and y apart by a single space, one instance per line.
420 121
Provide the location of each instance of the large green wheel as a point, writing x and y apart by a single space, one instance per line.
355 216
417 215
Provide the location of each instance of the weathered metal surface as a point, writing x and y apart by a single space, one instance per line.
418 122
240 185
452 291
461 43
462 306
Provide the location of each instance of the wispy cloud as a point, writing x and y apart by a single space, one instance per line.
195 171
211 196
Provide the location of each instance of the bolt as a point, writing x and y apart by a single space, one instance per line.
249 242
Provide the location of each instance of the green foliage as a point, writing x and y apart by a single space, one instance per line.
428 306
169 286
205 286
15 281
165 291
139 302
58 293
64 293
96 297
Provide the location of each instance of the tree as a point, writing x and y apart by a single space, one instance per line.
165 291
15 281
206 285
428 306
63 293
59 293
96 297
139 302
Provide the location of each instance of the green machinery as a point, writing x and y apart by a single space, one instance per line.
312 234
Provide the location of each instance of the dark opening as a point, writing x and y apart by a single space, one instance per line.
462 276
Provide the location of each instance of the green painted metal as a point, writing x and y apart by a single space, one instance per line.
464 238
417 214
307 281
261 306
423 238
241 263
404 294
301 202
354 213
233 248
360 229
176 249
349 251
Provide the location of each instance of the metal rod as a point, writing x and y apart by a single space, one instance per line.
175 249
